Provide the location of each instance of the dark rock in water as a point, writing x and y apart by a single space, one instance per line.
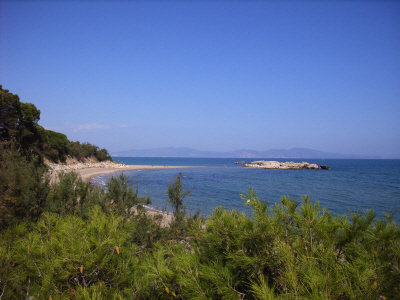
239 162
324 167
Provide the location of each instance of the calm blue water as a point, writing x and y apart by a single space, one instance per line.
348 186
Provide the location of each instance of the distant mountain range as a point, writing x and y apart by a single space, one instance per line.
272 153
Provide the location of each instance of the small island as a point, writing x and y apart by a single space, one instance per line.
289 165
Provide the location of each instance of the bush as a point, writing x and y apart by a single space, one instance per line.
66 257
70 195
122 197
88 244
302 251
176 196
24 186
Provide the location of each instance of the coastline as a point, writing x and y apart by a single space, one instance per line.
88 171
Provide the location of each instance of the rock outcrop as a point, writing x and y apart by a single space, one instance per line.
289 165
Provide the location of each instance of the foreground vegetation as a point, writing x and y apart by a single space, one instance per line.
74 240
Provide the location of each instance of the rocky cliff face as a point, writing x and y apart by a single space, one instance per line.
289 165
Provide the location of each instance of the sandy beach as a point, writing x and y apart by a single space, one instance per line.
90 170
89 173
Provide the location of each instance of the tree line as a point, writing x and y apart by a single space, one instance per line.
19 128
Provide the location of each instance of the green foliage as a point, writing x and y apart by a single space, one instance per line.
122 197
86 150
56 146
26 192
24 187
74 240
176 195
70 195
10 113
61 255
19 125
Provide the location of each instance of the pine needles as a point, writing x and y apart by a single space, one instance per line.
88 244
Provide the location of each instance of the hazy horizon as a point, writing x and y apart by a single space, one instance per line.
294 152
213 76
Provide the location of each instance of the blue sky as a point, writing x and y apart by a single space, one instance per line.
209 75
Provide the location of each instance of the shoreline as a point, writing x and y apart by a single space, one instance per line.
88 171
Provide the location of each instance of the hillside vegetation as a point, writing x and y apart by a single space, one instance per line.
76 240
19 127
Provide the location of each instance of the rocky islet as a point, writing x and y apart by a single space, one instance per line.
289 165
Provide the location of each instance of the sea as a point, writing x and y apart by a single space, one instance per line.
349 186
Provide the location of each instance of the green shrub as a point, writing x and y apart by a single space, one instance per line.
122 197
90 245
24 186
176 196
70 195
301 251
65 256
